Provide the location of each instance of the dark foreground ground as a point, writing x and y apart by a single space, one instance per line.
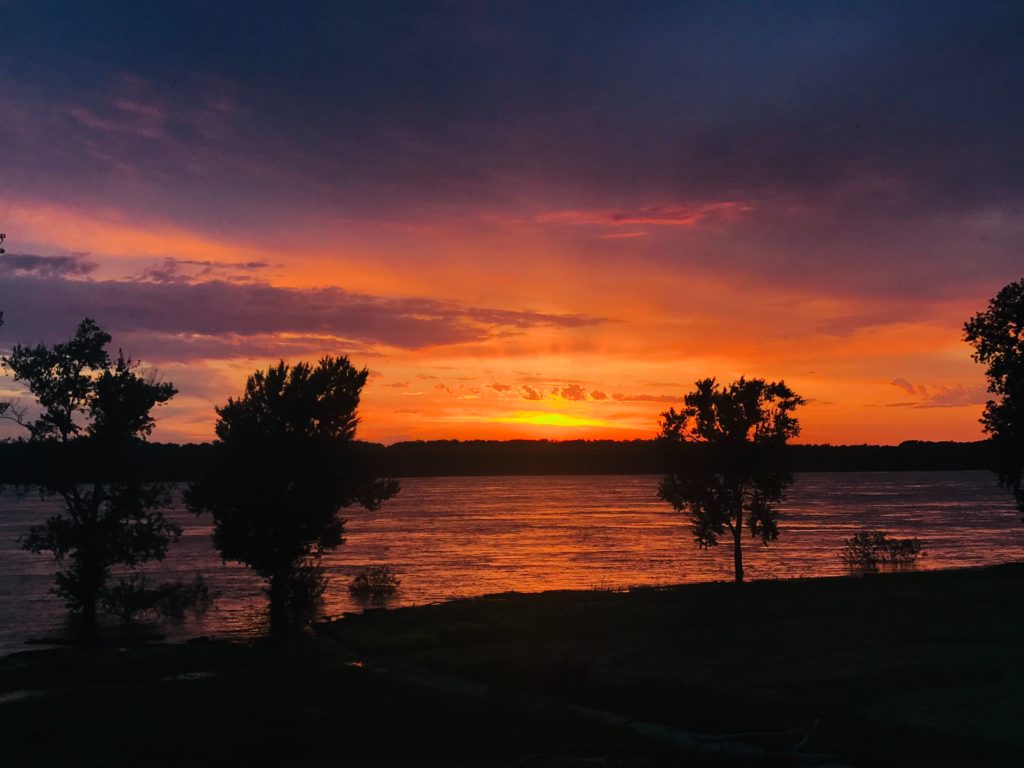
900 670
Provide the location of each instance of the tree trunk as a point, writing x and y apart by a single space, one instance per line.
87 620
90 574
737 547
278 592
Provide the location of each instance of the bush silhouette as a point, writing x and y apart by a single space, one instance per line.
374 585
870 549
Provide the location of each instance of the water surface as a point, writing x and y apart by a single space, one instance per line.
452 537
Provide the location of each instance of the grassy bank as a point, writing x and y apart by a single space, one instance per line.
911 669
902 669
305 704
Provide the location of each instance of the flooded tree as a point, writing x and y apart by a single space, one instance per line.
997 335
91 413
283 468
729 472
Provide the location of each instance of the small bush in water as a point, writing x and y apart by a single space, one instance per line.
870 549
374 584
133 598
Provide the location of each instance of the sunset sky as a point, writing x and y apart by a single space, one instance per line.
526 219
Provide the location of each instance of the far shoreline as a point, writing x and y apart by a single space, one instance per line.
173 462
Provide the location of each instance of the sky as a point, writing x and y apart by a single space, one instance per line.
525 219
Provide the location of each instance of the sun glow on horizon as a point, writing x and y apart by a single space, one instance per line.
548 419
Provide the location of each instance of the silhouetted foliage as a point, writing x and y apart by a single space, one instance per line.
870 549
132 598
282 469
93 411
374 585
2 252
738 476
997 335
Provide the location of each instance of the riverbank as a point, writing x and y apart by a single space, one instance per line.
896 669
461 537
901 669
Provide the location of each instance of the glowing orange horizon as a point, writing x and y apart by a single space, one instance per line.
647 334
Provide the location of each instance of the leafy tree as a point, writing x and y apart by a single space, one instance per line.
93 411
729 471
997 335
2 252
282 470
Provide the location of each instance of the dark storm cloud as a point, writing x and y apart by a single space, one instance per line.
364 105
863 150
230 315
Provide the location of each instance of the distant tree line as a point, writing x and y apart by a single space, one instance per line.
439 458
169 462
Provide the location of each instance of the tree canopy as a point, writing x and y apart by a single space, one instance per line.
997 335
283 467
737 477
90 412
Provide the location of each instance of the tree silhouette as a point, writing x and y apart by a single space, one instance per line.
283 468
997 335
729 471
2 252
93 412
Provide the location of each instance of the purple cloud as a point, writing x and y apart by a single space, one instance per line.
222 313
25 264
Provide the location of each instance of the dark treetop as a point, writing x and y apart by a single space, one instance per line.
738 476
997 335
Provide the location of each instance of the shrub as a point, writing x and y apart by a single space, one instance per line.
132 599
374 585
870 549
304 590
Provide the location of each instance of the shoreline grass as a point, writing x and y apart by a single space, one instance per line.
906 669
910 668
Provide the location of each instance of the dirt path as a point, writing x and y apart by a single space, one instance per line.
739 745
